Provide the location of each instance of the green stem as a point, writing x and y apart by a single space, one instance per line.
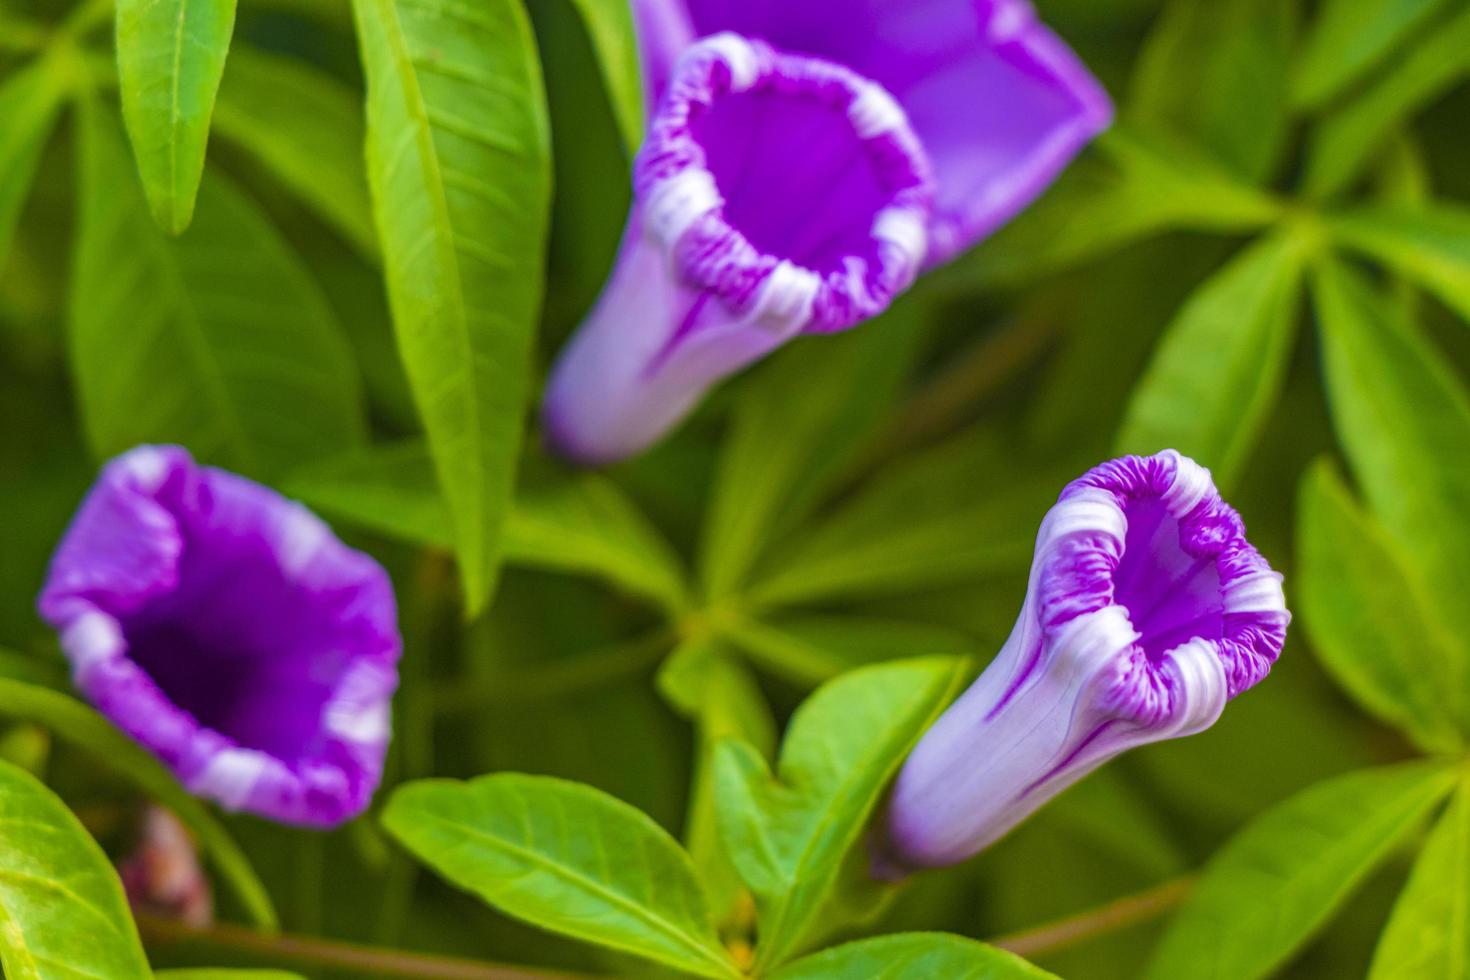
1121 913
371 961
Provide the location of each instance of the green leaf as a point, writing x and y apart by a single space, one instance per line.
584 524
1217 73
1428 934
947 515
1219 367
717 692
61 906
30 101
796 423
388 488
610 27
75 723
1343 143
222 973
912 956
790 834
1276 881
1403 417
1347 38
565 857
1368 618
306 128
170 56
808 650
460 170
1136 185
587 524
218 340
1428 245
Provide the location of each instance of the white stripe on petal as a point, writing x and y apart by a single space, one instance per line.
91 638
230 776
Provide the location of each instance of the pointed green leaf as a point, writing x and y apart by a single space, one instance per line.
306 128
1428 934
912 956
584 524
1367 616
1428 245
1216 72
1347 38
77 724
718 693
790 834
218 340
62 909
460 170
170 56
1219 367
29 103
565 857
1344 142
1403 416
610 26
1281 877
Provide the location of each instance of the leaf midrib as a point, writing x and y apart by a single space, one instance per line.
402 63
548 864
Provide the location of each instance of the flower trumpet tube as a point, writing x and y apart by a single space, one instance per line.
1147 611
803 163
230 633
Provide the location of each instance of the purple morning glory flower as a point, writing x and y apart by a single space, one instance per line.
804 162
228 631
1147 610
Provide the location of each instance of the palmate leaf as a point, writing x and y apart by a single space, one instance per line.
811 649
218 340
1428 934
584 524
170 56
460 170
1429 245
1216 73
1367 616
62 907
306 128
1220 364
1403 417
1342 145
565 857
1276 881
1347 38
75 723
1138 184
912 956
946 515
795 425
30 100
790 834
610 26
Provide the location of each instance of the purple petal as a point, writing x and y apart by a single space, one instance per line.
998 101
776 194
228 631
1147 610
